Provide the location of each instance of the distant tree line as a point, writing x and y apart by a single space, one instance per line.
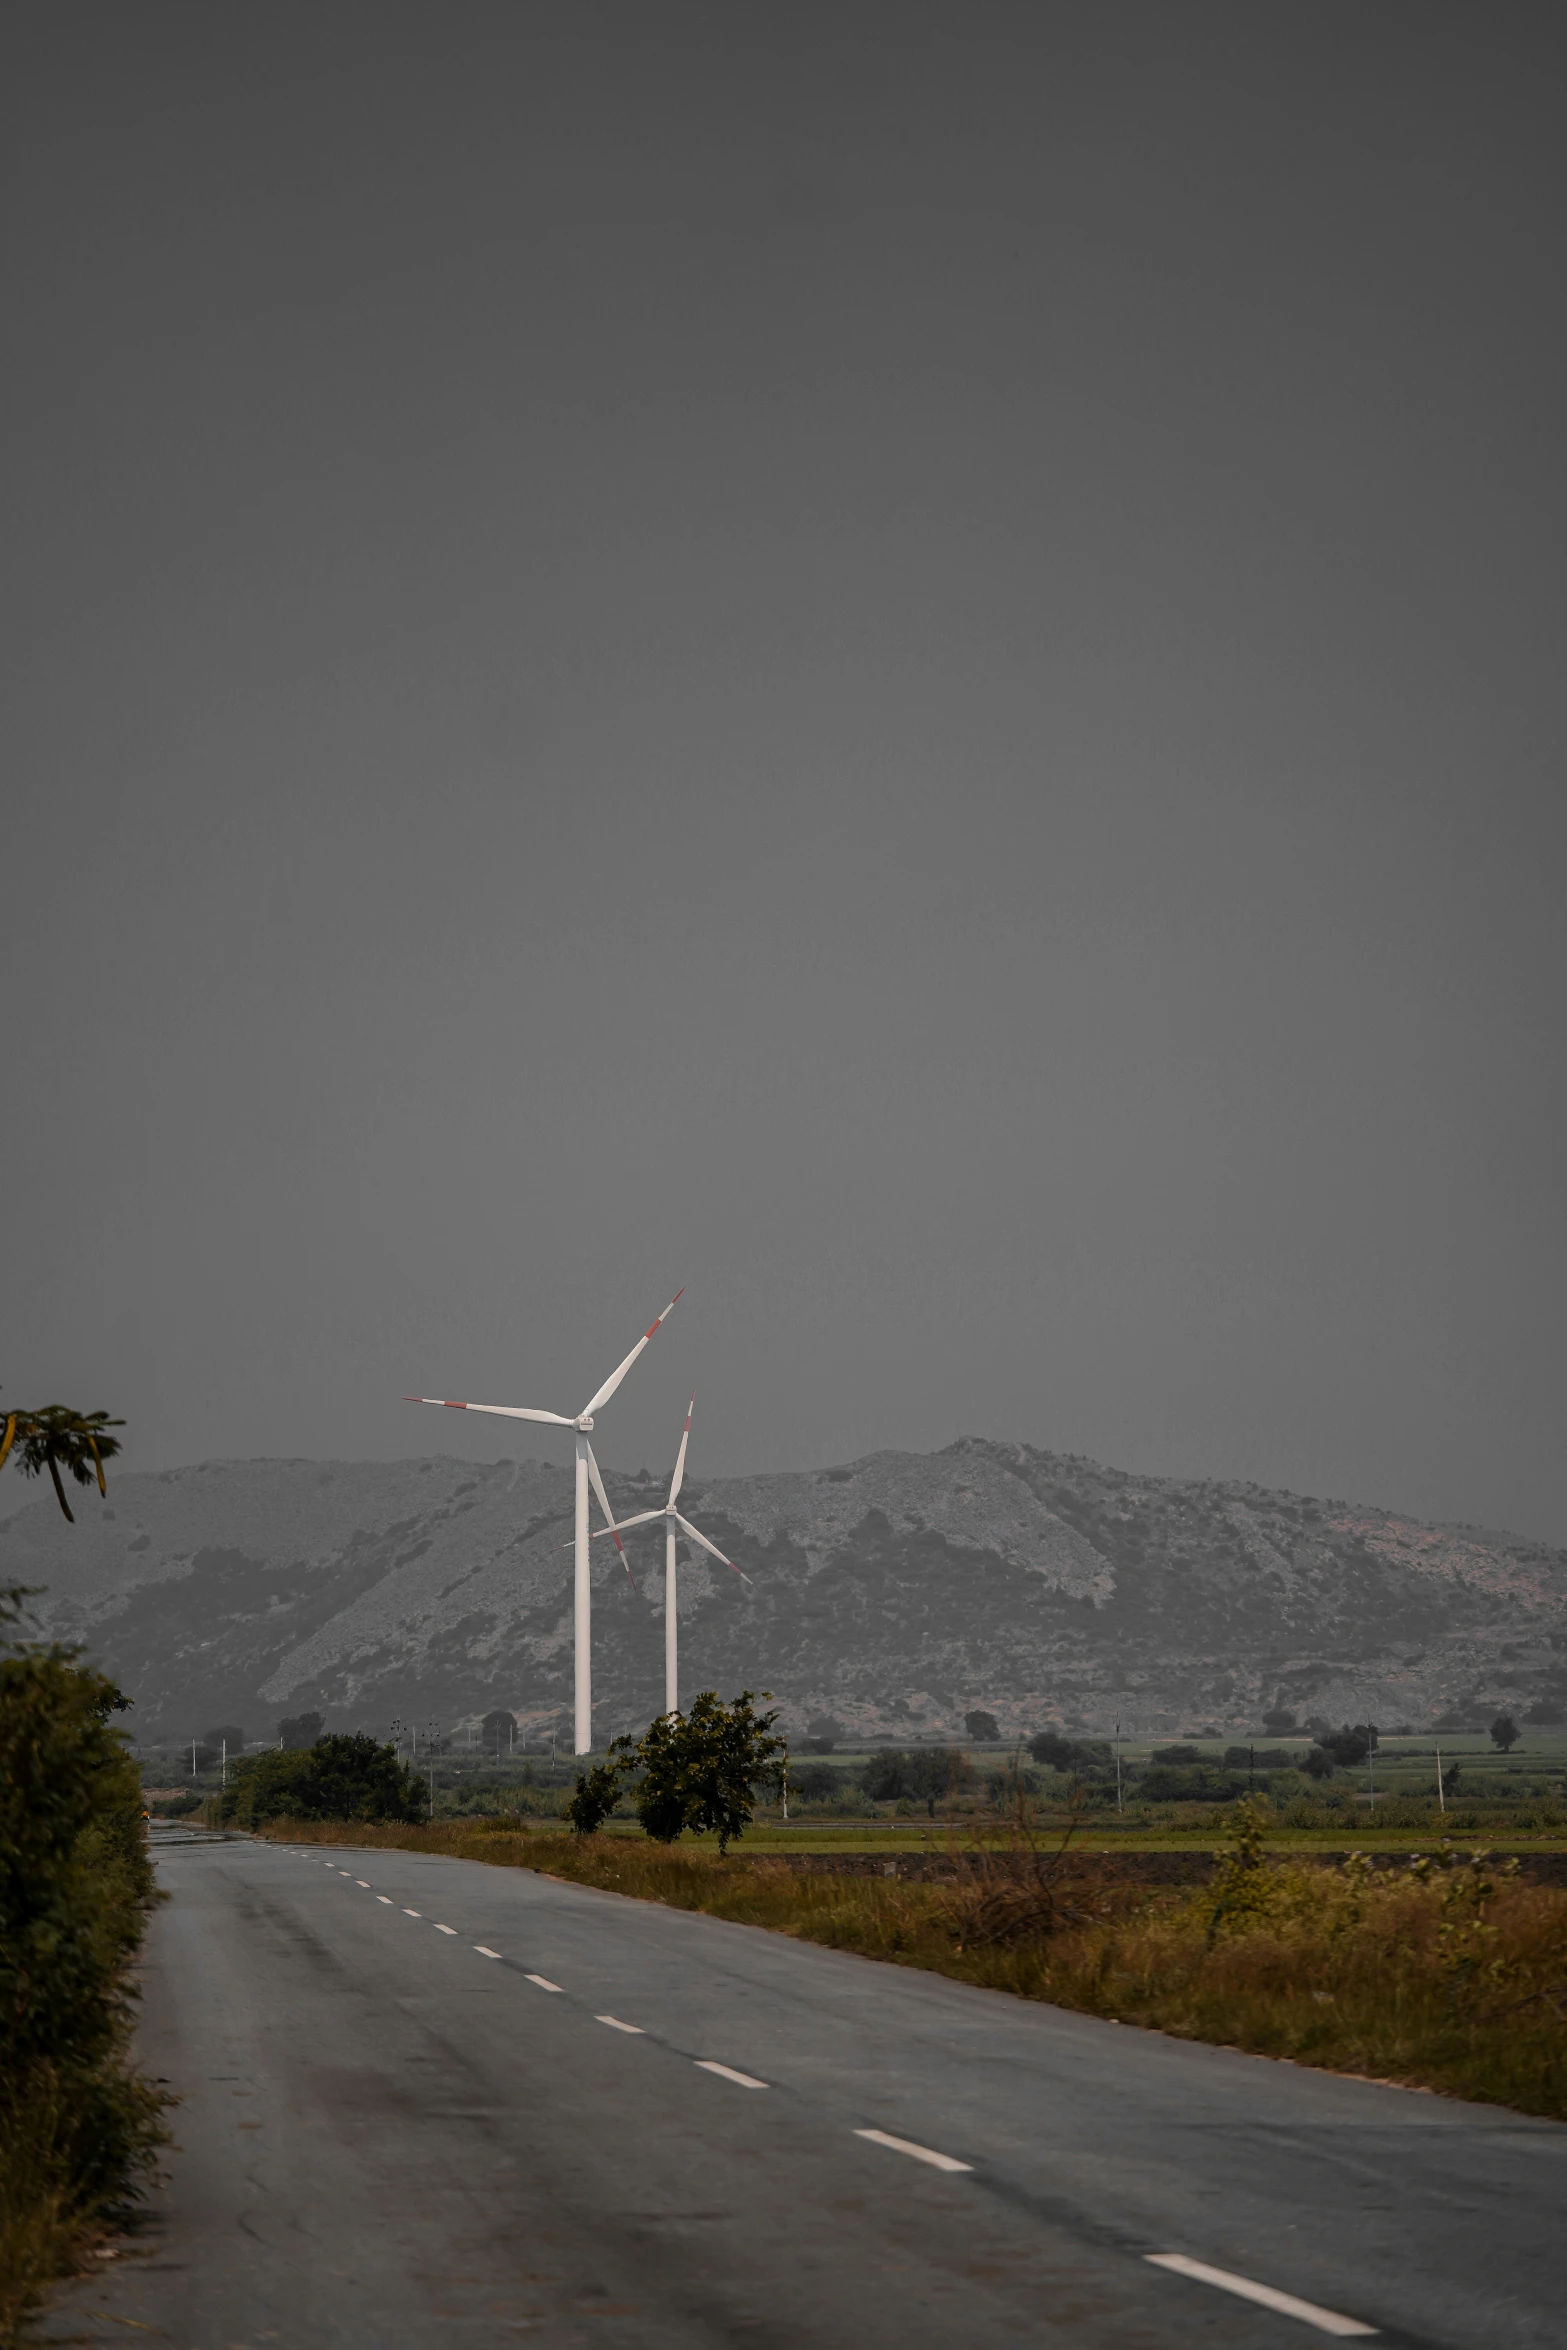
339 1777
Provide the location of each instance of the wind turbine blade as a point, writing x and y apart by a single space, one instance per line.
507 1411
713 1547
615 1377
623 1527
610 1528
680 1457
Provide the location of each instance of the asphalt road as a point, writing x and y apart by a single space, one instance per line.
428 2102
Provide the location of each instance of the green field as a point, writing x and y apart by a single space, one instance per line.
1514 1801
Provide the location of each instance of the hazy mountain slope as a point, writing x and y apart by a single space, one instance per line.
894 1593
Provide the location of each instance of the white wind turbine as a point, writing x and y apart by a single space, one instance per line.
587 1467
672 1519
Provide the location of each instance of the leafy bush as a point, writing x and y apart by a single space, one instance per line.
598 1791
77 2124
1050 1748
339 1778
699 1769
934 1771
887 1778
1351 1744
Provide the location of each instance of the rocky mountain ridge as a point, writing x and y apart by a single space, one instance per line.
895 1593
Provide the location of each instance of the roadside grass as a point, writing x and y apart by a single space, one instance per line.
1449 1975
39 2229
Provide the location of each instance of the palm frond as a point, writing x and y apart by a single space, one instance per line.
58 1487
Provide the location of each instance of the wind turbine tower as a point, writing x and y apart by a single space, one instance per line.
587 1468
674 1525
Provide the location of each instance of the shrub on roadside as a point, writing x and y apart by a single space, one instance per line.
77 2124
597 1793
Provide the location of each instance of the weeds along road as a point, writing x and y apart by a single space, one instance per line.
429 2102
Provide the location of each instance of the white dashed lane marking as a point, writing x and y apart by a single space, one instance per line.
726 2072
1326 2321
920 2153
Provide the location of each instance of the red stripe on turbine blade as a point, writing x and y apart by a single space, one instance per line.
664 1316
454 1407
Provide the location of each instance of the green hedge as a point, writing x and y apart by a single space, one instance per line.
77 2124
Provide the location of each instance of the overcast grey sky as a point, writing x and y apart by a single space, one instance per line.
903 663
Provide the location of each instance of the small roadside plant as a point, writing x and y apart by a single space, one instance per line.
598 1791
1241 1890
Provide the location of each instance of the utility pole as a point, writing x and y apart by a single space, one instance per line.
225 1765
1441 1799
1119 1805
